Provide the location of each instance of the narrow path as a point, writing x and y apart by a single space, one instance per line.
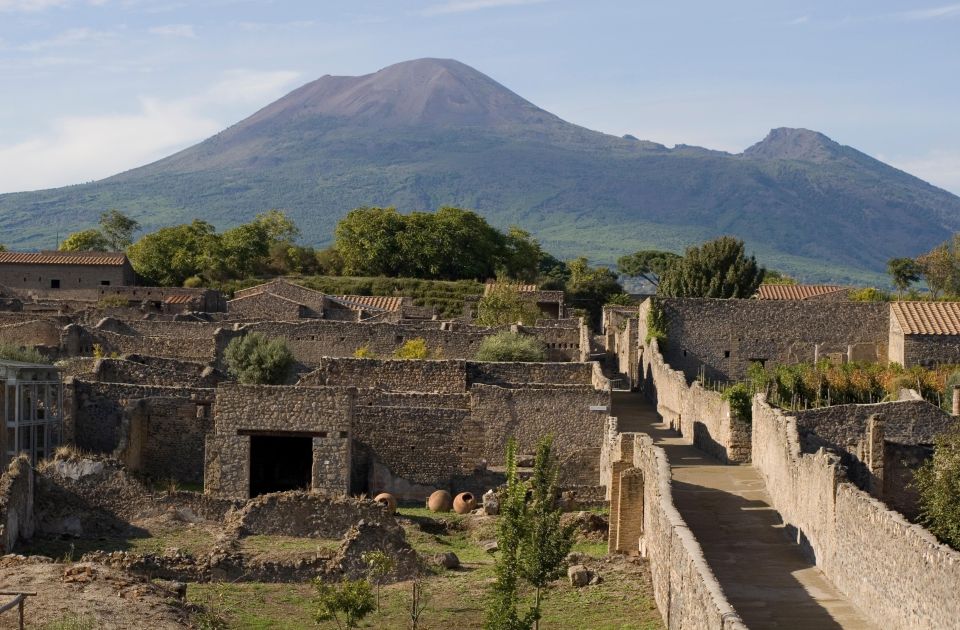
766 577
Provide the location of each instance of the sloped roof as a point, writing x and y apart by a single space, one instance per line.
114 259
795 291
522 288
179 299
927 318
375 302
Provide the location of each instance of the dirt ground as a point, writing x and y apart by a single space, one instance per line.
85 596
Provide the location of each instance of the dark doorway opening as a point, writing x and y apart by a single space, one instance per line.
279 463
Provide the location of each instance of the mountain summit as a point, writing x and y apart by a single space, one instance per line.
435 92
432 132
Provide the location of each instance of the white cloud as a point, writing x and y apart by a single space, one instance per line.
940 168
175 30
803 19
69 37
464 6
27 6
83 148
932 13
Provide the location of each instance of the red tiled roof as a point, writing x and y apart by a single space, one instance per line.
927 318
379 302
178 299
113 259
795 291
522 288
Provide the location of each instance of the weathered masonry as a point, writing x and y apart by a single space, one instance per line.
924 333
64 270
274 438
32 401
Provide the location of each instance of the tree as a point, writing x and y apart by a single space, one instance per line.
379 566
649 264
117 228
256 360
508 346
938 482
522 256
771 276
591 287
367 241
545 542
504 304
353 599
502 613
170 255
91 240
940 267
903 272
532 544
717 269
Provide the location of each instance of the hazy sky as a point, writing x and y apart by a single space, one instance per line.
92 87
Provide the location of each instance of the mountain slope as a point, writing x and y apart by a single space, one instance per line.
432 132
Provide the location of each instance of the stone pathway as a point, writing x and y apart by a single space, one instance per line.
766 577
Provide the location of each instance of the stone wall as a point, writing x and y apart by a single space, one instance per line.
687 593
16 504
166 372
323 414
390 375
32 333
699 414
621 328
186 348
724 336
894 571
931 350
269 306
372 397
97 414
507 373
304 515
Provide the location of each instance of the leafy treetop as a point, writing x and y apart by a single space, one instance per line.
717 269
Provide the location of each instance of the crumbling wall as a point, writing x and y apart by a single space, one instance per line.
874 556
189 349
16 504
303 514
391 375
269 306
509 373
722 337
167 372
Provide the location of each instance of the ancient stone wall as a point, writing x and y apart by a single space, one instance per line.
31 333
687 593
323 414
390 375
95 413
523 374
166 372
874 556
16 504
699 414
270 307
189 349
723 337
622 341
303 514
372 397
563 343
529 414
931 350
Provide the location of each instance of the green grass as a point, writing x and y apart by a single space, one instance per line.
267 545
456 598
193 540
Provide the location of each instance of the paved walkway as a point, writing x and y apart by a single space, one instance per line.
765 576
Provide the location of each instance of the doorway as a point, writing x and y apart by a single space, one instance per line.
280 463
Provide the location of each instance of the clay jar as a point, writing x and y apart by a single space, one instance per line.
388 501
464 503
440 501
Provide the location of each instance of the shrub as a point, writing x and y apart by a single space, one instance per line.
413 349
364 352
353 599
12 352
508 346
193 282
869 294
255 360
504 304
938 482
741 400
112 301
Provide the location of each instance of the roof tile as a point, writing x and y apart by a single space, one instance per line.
927 318
113 259
795 291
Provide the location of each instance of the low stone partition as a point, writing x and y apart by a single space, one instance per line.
510 373
165 372
894 571
643 516
303 514
697 413
16 504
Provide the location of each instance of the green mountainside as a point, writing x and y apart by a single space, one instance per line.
430 132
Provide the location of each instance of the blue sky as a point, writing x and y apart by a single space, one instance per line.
92 87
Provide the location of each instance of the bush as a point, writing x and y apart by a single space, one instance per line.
413 349
193 282
504 304
508 346
869 294
656 325
352 599
11 352
112 301
364 352
255 360
741 401
938 482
